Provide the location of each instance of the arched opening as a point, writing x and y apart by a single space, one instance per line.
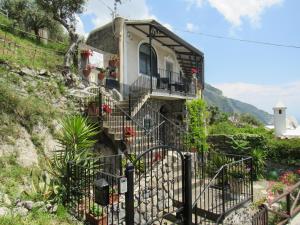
144 60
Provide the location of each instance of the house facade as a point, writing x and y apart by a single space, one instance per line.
149 59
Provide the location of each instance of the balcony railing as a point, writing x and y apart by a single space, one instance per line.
174 83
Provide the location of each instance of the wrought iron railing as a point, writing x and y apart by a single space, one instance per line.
81 190
174 82
261 217
226 185
220 182
286 206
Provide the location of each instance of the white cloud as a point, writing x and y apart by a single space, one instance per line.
265 96
235 11
191 27
101 10
80 27
191 3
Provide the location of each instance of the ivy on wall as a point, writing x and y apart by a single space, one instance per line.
196 124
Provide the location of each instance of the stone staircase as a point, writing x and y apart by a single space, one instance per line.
208 197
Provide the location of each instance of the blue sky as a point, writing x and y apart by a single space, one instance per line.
257 74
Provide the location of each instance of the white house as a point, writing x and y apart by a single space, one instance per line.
145 60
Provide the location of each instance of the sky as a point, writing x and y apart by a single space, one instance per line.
257 74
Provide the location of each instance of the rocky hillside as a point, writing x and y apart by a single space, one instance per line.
214 97
32 101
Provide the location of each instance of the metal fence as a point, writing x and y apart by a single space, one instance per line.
261 217
83 200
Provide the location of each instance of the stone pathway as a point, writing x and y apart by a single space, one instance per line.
260 189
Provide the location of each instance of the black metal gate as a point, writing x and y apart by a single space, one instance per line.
159 187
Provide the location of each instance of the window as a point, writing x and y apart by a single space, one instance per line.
144 55
280 111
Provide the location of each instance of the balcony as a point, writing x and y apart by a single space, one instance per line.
165 84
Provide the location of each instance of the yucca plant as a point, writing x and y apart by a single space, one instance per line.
77 137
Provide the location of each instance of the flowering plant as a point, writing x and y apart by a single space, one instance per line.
106 108
288 178
194 70
129 132
86 53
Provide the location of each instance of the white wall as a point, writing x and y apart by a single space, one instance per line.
133 40
279 121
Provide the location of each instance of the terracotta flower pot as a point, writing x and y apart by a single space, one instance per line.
86 71
101 75
86 53
113 198
93 110
95 221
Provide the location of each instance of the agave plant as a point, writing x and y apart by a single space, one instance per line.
42 186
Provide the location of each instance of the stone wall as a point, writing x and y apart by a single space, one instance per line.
104 38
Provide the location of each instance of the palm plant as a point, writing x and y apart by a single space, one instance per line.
77 139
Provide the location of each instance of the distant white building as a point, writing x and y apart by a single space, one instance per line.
285 127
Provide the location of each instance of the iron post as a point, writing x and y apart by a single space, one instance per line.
188 189
129 195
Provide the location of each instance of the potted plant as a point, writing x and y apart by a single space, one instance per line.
129 132
277 188
113 62
113 195
86 53
106 108
87 70
96 215
114 74
93 109
101 74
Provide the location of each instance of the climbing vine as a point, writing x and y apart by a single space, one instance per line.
196 124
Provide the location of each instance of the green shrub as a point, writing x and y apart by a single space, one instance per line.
259 161
284 148
196 124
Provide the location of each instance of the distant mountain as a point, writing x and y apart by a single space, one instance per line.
214 97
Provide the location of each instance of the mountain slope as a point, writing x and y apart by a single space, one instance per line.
214 97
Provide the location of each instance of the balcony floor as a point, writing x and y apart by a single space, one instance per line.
165 94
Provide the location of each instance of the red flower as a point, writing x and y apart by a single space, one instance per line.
129 131
157 156
86 53
106 108
194 70
298 171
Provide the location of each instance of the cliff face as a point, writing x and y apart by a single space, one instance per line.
214 97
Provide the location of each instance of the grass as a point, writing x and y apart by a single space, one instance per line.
38 217
12 176
24 50
28 111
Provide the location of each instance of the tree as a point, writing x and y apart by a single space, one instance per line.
36 19
64 12
16 9
249 119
